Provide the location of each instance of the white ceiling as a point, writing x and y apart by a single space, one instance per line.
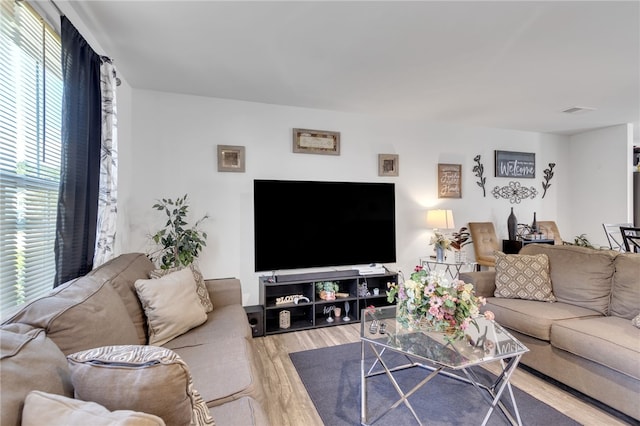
504 64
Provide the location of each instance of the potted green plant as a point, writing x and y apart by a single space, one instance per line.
582 241
179 244
327 289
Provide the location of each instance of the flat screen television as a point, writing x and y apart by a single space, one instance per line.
304 224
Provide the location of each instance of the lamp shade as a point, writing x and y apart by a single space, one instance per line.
440 219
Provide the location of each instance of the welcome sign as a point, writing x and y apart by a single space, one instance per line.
515 164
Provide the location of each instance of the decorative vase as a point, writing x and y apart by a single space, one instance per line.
512 225
534 225
439 254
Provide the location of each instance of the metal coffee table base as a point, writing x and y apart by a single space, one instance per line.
491 393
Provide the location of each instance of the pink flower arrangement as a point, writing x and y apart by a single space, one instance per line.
429 297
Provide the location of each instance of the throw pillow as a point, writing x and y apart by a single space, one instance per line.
636 321
141 378
28 360
171 305
522 276
203 294
41 408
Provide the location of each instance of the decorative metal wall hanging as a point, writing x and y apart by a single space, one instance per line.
478 169
514 192
548 175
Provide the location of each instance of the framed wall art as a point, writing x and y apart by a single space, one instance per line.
515 164
308 141
388 165
449 180
231 158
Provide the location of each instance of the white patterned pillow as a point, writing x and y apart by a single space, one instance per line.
171 305
523 276
41 408
146 379
201 288
636 321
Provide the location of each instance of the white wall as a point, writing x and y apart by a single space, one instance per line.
600 186
172 151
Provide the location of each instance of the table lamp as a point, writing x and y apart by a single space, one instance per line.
440 219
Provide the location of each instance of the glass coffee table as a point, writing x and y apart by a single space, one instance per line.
431 352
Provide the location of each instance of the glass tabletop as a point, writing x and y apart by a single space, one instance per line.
486 341
449 260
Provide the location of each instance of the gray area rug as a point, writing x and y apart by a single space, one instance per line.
332 379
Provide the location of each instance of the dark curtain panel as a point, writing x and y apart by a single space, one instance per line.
80 163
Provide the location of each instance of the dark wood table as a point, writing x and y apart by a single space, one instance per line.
514 246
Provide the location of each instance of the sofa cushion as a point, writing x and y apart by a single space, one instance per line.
223 371
149 379
625 297
201 288
122 272
230 320
531 317
28 360
41 408
244 411
523 276
610 341
171 305
580 276
81 314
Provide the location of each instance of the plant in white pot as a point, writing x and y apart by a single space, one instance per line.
179 244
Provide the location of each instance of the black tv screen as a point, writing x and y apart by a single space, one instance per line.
304 224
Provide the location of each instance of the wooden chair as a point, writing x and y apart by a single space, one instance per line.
550 229
485 242
614 235
631 238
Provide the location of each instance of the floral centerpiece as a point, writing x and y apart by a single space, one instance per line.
430 300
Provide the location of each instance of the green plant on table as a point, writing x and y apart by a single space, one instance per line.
179 244
582 241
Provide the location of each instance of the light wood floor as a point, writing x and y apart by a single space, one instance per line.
289 404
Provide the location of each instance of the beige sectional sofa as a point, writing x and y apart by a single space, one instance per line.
103 309
585 339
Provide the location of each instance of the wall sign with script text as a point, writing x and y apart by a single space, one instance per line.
449 181
515 164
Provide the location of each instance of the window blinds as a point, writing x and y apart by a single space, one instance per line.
30 127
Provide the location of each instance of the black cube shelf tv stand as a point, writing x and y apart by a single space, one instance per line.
293 302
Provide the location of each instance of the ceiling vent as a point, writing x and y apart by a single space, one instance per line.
578 110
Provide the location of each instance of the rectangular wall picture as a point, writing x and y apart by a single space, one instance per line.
388 165
308 141
449 181
230 158
515 164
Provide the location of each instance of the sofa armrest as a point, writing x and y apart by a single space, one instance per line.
224 291
484 282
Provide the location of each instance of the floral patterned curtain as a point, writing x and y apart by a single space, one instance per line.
107 196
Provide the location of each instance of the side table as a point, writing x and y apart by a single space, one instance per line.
514 246
450 267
